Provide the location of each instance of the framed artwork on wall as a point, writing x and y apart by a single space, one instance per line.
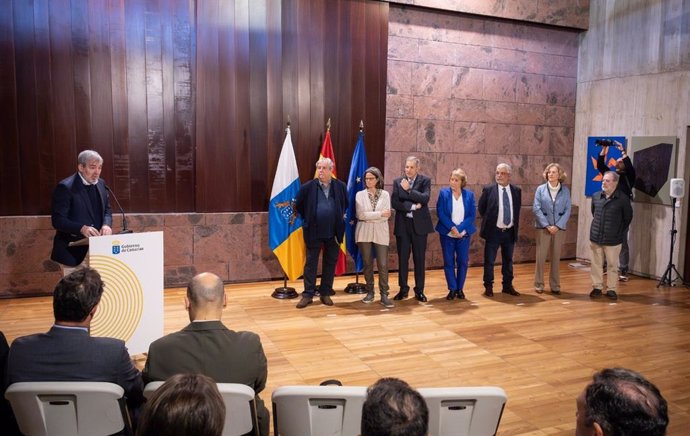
654 158
594 147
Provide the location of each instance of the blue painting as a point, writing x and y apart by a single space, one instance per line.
594 147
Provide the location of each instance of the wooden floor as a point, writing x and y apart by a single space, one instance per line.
541 349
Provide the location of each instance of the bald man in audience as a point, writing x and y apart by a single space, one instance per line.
206 346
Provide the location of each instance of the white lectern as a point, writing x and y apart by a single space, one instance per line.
131 309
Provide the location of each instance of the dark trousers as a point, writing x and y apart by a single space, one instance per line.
411 240
456 257
331 250
505 241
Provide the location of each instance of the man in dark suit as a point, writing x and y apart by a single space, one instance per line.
67 352
206 346
321 203
81 209
499 206
410 200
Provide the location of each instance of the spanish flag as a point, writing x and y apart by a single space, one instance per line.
327 151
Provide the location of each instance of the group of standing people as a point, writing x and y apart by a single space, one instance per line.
321 203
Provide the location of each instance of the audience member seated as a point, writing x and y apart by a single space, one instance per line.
67 352
7 421
621 402
393 408
206 346
186 404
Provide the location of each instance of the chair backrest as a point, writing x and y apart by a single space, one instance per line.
318 410
240 409
464 411
69 408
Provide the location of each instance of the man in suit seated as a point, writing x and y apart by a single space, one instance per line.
620 401
393 408
206 346
67 352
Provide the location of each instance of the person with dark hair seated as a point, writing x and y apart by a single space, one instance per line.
186 404
621 402
7 422
393 408
67 352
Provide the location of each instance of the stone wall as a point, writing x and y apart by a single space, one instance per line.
472 92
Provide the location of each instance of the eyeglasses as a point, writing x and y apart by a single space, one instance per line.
370 178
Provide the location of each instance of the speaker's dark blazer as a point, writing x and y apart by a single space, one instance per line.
72 210
305 203
73 355
402 201
488 209
212 349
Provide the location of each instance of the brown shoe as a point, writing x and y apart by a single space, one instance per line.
304 302
325 299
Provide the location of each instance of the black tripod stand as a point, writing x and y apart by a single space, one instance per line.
667 279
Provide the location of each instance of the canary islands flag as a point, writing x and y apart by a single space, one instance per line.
284 224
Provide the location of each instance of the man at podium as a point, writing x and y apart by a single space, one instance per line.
81 209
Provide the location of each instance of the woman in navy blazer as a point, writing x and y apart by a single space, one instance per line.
456 215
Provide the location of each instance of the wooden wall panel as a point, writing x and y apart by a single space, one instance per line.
301 65
185 100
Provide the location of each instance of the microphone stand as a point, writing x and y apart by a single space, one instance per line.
122 211
667 278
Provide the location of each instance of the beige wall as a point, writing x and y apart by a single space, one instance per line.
633 80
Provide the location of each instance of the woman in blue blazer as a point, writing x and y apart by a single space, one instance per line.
456 215
551 210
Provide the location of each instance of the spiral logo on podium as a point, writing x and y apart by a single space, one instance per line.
122 303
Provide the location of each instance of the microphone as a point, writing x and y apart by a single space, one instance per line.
122 211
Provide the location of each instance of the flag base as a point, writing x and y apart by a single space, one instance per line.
356 288
284 293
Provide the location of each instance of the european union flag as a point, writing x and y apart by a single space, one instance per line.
355 183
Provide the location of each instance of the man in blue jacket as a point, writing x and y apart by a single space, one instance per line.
321 203
81 209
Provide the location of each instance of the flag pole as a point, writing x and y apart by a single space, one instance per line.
285 292
356 287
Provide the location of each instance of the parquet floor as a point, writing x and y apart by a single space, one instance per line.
541 349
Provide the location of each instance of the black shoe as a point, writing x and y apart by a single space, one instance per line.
304 302
451 295
401 295
612 295
460 294
325 299
420 297
595 293
511 291
489 291
556 291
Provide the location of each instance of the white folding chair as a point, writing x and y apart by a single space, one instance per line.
464 411
318 410
240 409
69 408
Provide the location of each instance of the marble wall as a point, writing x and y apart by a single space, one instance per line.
472 92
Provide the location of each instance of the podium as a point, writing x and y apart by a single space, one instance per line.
131 308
